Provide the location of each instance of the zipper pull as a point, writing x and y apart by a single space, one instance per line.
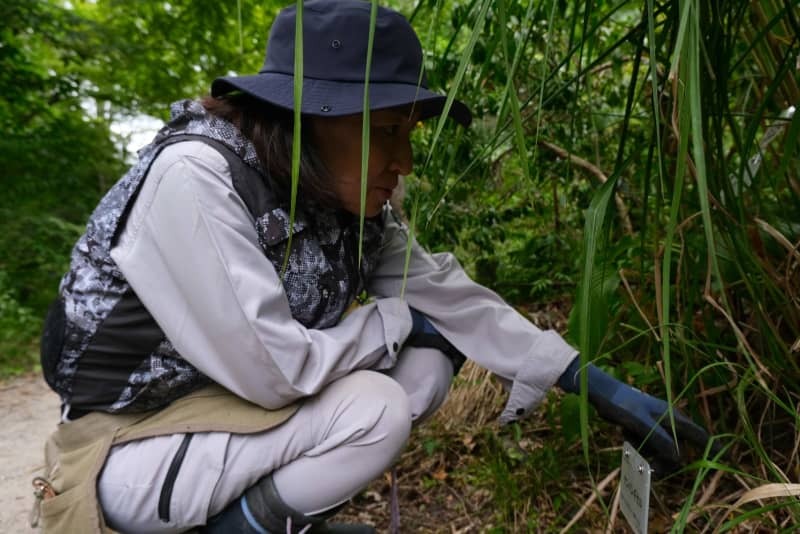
42 489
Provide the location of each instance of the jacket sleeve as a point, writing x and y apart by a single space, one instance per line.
190 252
474 319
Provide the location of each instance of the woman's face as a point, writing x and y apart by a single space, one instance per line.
338 141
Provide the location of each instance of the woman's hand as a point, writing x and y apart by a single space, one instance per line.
642 417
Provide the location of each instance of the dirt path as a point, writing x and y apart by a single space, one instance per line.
28 413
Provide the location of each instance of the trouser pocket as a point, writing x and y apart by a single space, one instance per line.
165 498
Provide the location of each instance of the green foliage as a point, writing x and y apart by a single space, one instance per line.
686 107
141 56
35 254
19 327
570 418
56 161
530 478
55 157
67 70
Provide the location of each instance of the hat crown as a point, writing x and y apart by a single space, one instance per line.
335 41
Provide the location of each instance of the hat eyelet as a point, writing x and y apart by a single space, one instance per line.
325 109
336 44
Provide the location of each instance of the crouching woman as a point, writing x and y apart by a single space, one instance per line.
218 365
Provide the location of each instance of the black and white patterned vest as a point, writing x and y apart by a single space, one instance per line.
113 356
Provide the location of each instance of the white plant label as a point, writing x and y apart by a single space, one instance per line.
634 488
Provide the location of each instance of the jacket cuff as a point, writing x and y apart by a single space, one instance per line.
396 318
549 357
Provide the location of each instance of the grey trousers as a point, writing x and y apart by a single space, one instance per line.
331 448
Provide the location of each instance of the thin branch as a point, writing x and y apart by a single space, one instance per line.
627 226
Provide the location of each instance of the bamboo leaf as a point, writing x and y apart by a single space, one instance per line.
594 229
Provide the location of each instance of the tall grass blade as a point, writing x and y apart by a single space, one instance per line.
757 513
296 130
581 72
511 91
685 9
373 17
698 151
550 19
412 228
241 29
651 41
462 68
683 60
749 432
413 224
791 145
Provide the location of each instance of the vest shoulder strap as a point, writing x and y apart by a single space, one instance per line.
250 184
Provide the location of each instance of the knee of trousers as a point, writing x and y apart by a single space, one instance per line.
426 375
380 407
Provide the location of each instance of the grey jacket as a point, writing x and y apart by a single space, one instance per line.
195 257
106 352
239 329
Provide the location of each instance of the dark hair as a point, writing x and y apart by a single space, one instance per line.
270 129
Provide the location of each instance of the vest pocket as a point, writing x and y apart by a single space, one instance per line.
165 499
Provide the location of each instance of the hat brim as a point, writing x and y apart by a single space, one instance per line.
326 98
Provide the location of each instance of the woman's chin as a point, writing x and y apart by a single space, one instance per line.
371 210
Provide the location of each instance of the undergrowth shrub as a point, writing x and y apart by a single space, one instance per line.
19 330
36 250
35 254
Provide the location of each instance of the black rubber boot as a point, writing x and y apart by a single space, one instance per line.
262 511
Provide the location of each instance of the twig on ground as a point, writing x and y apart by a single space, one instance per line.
614 511
462 500
593 497
699 506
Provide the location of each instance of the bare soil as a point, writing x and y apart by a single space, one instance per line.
29 412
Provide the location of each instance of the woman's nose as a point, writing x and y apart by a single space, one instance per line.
403 158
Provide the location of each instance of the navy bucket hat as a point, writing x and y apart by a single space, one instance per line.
335 39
